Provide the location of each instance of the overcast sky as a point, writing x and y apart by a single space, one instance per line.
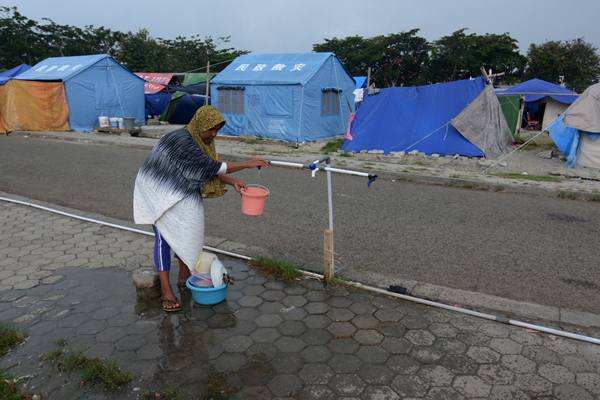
294 26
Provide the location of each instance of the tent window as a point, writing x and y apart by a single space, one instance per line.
231 100
330 102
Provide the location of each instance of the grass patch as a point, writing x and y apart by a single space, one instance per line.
9 388
332 146
9 338
93 370
335 281
284 270
537 178
346 154
165 394
542 142
563 194
218 388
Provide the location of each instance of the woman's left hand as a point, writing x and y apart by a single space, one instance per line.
238 185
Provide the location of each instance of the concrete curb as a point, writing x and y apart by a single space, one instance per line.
467 299
461 183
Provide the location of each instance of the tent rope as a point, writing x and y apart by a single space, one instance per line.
504 157
212 65
425 137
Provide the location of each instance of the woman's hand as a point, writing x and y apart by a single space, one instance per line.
258 163
235 166
238 185
235 183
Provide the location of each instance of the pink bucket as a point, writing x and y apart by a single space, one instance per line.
254 198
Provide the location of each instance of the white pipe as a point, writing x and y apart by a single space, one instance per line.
461 310
286 164
346 171
330 209
326 168
330 200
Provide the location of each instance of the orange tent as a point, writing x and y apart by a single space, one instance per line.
33 106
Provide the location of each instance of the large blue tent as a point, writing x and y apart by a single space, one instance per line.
291 97
416 118
95 85
11 73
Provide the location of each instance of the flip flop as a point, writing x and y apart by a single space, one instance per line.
170 305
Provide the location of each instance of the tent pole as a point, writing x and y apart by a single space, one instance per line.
368 81
521 111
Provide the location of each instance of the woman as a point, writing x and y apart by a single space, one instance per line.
182 168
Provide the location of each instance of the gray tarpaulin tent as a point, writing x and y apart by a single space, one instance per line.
484 124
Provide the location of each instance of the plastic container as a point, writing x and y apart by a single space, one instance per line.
114 122
128 122
103 122
207 296
201 280
254 198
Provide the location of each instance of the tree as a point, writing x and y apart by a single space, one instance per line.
576 60
395 59
23 40
355 52
402 58
20 40
460 56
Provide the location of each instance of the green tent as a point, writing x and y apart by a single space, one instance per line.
189 79
511 108
194 78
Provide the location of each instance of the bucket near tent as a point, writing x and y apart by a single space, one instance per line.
103 122
128 122
254 198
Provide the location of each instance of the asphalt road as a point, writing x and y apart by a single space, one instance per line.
517 246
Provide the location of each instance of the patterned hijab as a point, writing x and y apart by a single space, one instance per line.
207 117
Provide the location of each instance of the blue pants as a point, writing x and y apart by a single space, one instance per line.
162 252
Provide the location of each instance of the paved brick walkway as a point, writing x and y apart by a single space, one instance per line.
65 279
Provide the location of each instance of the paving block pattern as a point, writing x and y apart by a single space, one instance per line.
64 279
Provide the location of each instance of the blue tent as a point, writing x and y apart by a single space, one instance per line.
361 82
11 73
95 85
415 118
292 97
538 89
185 108
156 103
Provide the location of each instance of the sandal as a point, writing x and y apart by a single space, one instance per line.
170 305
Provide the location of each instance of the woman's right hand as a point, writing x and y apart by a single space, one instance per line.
258 163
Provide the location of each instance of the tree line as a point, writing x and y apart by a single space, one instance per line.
397 59
23 40
407 59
